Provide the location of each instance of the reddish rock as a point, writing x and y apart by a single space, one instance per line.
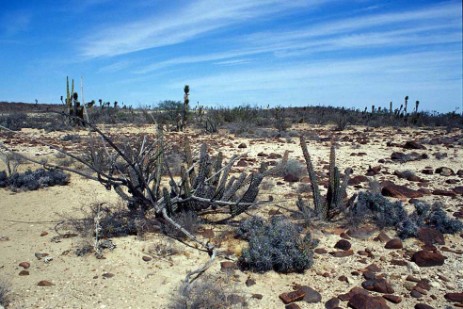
362 301
430 236
378 285
45 283
292 306
395 243
292 296
343 244
342 253
355 290
426 258
444 192
44 233
423 306
398 191
242 145
382 237
24 272
320 250
25 265
228 266
274 156
356 180
393 298
454 297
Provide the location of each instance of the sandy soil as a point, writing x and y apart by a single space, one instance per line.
29 221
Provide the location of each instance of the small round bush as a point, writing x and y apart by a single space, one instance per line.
276 245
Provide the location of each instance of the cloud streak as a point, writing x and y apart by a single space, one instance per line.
176 27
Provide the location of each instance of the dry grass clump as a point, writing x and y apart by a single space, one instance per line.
209 292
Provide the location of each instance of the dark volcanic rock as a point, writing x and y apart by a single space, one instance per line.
393 298
342 253
395 243
378 285
332 303
413 145
423 306
356 180
455 297
393 190
445 171
293 296
430 236
343 244
413 156
362 301
444 192
426 258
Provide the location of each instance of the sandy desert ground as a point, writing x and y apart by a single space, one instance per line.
133 275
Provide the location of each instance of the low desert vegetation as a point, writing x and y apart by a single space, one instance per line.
167 185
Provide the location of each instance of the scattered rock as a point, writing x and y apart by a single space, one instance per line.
146 258
292 306
242 145
250 282
395 243
454 297
444 171
44 233
292 296
257 296
25 265
291 178
382 237
107 275
228 266
413 145
378 285
342 253
40 256
24 272
45 283
426 258
430 236
311 296
356 180
423 306
362 301
332 303
428 170
393 298
443 192
343 244
372 171
398 191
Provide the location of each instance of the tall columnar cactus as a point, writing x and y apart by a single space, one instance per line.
417 103
336 189
390 107
406 104
313 177
186 102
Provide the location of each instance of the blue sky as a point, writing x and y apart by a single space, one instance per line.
287 53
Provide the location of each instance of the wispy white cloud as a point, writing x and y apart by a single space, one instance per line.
184 24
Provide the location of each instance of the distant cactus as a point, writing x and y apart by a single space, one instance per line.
406 104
